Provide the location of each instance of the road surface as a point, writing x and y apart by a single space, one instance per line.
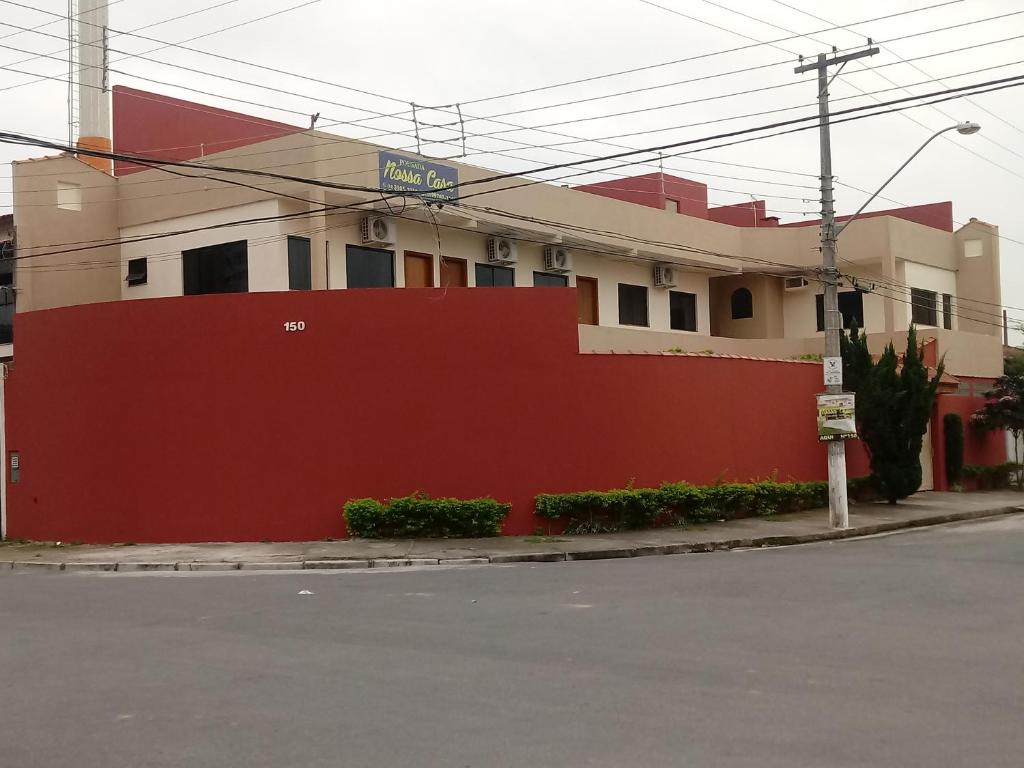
904 650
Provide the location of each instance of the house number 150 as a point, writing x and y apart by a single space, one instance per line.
293 326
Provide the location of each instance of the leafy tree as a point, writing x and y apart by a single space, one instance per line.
1013 365
894 405
1005 410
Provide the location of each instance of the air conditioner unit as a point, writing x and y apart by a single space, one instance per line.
501 250
795 283
664 276
379 230
557 259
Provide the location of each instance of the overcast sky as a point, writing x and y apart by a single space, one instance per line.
463 51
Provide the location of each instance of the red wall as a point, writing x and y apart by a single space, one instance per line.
980 448
938 215
199 418
160 126
653 190
752 214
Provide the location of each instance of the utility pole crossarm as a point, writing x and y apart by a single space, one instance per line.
818 63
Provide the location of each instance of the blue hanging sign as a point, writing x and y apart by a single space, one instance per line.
430 181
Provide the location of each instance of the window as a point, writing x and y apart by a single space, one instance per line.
488 276
851 307
947 311
742 302
923 309
69 196
973 249
300 268
547 280
7 296
220 268
683 310
632 305
672 206
138 271
369 267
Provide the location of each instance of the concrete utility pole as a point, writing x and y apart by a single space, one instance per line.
838 509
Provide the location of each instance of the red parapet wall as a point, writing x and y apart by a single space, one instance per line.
203 419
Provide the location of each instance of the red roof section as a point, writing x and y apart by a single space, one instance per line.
161 126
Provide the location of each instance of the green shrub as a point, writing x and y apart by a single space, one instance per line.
953 426
420 516
991 477
676 504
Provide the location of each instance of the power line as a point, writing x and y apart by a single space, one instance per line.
958 93
693 58
887 45
869 68
23 30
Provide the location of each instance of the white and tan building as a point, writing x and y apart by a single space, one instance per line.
653 266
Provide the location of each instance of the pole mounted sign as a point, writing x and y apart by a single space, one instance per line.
836 417
833 371
406 175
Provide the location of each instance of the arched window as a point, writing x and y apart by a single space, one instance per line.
742 304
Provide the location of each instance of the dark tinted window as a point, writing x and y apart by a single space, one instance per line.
6 292
632 304
138 271
300 269
488 276
369 267
947 311
216 269
851 307
547 280
683 310
742 302
924 311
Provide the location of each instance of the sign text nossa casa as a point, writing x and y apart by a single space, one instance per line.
431 181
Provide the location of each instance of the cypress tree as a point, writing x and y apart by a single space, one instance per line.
894 406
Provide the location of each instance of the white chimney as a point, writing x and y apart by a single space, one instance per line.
93 82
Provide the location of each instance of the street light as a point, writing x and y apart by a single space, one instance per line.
839 514
964 129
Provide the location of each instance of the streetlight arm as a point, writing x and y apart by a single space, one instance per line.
845 224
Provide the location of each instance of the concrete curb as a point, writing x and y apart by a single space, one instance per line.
339 564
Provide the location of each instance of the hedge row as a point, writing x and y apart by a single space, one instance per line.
990 477
420 516
676 504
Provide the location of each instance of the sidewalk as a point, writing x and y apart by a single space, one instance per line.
865 519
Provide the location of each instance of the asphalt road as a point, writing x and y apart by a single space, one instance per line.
905 650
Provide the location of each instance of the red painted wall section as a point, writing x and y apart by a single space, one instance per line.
752 214
654 190
937 215
980 448
161 126
201 419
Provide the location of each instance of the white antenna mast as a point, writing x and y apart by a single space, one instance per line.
74 105
92 118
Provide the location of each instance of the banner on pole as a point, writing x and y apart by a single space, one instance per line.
837 417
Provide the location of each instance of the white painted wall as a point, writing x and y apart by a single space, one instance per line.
930 279
268 249
799 311
459 244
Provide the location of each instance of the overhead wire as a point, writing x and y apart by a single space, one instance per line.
874 69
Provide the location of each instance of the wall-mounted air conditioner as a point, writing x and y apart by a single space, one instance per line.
501 250
379 230
557 259
664 276
795 283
